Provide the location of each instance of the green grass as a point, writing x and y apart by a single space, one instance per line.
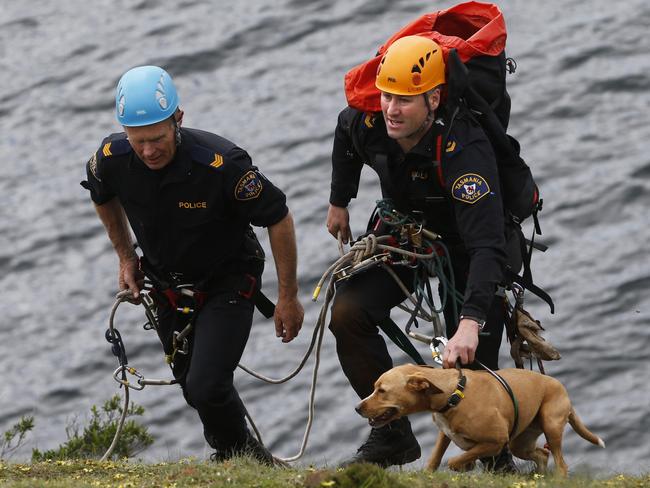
243 472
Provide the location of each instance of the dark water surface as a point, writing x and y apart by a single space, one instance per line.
268 75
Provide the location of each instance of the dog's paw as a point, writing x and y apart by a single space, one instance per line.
461 465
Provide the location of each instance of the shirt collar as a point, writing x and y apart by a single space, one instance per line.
425 146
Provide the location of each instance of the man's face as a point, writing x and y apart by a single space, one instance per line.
154 144
404 115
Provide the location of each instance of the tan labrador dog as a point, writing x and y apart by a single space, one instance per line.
481 423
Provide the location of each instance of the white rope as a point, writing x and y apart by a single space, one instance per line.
121 297
317 339
120 426
360 251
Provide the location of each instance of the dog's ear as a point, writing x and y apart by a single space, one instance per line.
419 382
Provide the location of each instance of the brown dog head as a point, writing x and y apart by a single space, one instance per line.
400 391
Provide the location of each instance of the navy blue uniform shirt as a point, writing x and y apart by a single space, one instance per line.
460 199
191 216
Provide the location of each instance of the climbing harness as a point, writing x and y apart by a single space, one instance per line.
403 241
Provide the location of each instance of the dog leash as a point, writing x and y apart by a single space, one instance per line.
505 384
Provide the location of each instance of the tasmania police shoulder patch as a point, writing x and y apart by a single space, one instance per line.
92 166
470 188
249 186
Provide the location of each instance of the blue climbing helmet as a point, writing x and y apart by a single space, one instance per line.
145 95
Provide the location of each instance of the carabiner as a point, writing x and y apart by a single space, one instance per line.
122 381
436 351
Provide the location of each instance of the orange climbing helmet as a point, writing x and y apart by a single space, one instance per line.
412 65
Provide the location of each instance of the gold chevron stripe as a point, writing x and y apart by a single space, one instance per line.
218 160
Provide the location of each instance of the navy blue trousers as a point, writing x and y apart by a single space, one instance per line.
221 331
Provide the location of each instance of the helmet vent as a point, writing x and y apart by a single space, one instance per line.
160 94
120 106
416 69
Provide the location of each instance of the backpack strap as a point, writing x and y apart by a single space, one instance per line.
513 277
438 162
354 136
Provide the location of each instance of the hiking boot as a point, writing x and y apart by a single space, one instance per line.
392 444
251 447
501 463
257 451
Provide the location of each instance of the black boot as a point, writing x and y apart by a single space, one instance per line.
393 444
257 451
501 463
249 447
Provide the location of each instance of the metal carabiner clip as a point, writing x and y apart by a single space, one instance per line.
121 369
184 346
436 350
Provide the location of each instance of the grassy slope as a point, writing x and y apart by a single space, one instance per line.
246 473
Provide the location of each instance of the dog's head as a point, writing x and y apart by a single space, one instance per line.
400 391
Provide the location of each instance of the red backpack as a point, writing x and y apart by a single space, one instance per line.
472 28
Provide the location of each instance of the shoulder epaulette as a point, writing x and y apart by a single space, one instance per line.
206 156
369 120
115 147
453 146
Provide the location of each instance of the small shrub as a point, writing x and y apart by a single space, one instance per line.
97 436
13 438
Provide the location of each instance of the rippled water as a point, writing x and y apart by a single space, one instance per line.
268 75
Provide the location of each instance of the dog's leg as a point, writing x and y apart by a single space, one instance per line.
442 443
466 460
524 447
554 439
553 418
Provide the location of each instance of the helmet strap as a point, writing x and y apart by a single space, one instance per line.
177 130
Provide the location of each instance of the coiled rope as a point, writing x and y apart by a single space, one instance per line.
368 251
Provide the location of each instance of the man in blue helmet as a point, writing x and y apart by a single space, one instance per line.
190 198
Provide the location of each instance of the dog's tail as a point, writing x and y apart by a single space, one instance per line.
583 431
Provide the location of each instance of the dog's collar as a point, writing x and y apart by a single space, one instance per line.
455 398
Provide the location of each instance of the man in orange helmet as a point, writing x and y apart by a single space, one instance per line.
456 191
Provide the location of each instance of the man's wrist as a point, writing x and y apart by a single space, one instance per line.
289 293
480 322
339 202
